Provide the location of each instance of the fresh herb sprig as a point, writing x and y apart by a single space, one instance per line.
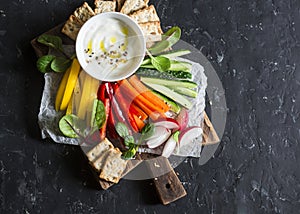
129 140
48 63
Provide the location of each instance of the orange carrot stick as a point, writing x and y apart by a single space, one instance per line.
138 98
145 92
138 111
140 124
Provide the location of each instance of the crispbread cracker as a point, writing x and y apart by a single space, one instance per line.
131 6
113 167
151 28
146 2
99 162
72 27
84 13
99 149
105 6
147 14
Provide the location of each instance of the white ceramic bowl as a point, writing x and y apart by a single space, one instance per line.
99 42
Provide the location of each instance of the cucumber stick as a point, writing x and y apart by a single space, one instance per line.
185 91
171 94
175 65
170 83
173 105
177 53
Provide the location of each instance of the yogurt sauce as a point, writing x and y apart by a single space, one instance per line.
110 46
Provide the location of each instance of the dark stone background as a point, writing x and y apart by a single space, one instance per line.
256 167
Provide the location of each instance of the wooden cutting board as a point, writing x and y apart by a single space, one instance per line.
168 186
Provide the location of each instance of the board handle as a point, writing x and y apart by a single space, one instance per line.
168 186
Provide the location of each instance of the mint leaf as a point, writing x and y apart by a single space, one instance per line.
122 129
129 140
44 63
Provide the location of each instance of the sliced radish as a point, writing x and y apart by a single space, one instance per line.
168 123
183 119
158 131
188 135
169 147
155 142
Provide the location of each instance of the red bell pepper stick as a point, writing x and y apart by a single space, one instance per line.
125 108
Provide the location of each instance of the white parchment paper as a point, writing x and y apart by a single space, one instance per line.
48 118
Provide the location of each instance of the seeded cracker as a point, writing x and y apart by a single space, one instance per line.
72 27
105 6
147 14
84 13
99 149
113 167
151 28
131 6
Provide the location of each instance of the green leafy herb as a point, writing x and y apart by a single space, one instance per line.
44 63
169 38
128 140
53 63
130 153
51 41
122 130
147 131
70 125
98 114
161 63
60 64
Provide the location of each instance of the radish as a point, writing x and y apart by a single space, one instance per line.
158 131
168 123
183 119
160 139
170 145
188 135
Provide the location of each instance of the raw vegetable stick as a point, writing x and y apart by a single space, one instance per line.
142 89
138 111
152 114
125 108
140 124
61 89
138 98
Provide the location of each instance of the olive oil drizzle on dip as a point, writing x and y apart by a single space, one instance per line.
110 45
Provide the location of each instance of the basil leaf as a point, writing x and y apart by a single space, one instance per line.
122 129
51 41
129 140
98 114
161 63
70 125
44 63
60 64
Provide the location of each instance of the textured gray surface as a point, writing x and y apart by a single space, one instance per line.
254 46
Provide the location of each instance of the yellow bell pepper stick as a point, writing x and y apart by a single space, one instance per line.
75 68
61 89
